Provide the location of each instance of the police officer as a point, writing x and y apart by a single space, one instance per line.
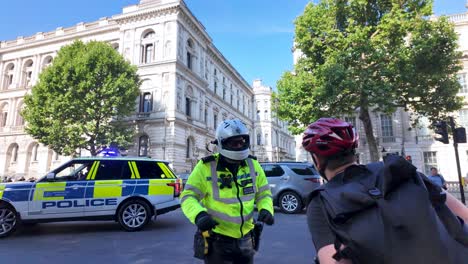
221 193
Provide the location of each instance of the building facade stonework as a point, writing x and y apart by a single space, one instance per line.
188 88
395 134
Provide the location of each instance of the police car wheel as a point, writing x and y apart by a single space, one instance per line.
8 220
134 215
290 203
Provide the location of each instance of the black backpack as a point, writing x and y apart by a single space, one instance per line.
392 215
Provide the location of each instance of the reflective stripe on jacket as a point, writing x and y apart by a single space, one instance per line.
232 208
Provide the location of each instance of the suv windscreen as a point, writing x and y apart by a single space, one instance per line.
272 170
303 169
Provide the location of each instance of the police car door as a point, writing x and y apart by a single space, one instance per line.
62 196
108 185
157 181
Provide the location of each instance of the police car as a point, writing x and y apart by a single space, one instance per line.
128 190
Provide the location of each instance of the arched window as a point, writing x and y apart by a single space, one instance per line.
27 74
143 146
8 76
258 115
148 47
266 139
46 62
115 46
14 153
259 139
34 152
265 117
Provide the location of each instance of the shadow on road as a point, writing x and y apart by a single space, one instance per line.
87 227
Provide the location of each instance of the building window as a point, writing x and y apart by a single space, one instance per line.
215 87
259 139
147 54
188 148
258 115
205 118
189 60
463 118
19 117
238 99
266 139
8 75
387 128
15 153
351 120
265 115
47 61
190 54
4 116
188 106
34 152
463 84
146 104
143 146
215 121
430 160
27 70
232 94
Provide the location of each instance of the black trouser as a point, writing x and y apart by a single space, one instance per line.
228 250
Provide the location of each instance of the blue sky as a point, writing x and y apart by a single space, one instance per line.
254 35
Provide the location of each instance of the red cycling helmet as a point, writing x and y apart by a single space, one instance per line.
330 137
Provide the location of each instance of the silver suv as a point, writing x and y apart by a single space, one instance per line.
291 184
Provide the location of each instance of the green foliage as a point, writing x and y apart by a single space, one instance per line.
370 54
81 99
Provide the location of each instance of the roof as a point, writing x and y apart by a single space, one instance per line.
125 158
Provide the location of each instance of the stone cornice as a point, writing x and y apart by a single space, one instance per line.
146 13
59 38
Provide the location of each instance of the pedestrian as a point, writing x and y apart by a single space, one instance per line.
379 212
437 178
220 197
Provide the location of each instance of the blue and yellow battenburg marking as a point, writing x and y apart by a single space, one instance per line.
91 189
2 187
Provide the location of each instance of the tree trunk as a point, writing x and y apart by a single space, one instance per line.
93 150
364 116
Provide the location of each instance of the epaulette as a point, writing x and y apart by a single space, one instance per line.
208 159
252 157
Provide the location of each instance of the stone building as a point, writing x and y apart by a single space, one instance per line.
188 88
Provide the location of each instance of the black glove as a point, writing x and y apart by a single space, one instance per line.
205 222
265 217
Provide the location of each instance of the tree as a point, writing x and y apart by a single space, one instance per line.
370 55
81 100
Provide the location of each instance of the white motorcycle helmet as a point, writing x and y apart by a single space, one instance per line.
232 139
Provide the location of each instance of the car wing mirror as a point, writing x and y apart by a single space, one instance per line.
50 176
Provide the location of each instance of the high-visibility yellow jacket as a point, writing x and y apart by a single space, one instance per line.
233 207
